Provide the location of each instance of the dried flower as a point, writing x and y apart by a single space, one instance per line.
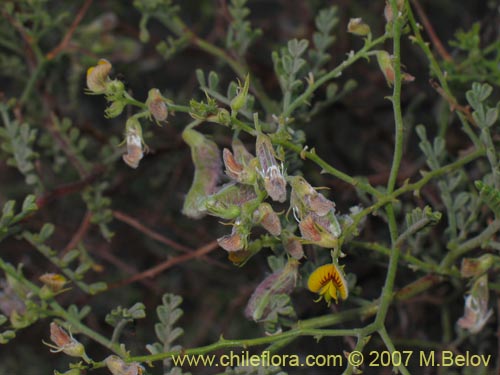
156 105
329 282
388 14
280 282
235 241
476 312
240 99
358 27
322 231
274 182
97 76
241 166
133 137
233 168
118 366
477 266
267 218
305 199
65 343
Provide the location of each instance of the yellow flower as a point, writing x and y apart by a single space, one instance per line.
329 282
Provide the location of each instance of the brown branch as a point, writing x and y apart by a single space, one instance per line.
152 272
28 40
70 188
80 233
430 31
69 34
149 232
104 253
454 106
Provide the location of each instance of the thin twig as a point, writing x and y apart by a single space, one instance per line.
454 106
67 189
69 34
80 233
152 272
430 30
150 233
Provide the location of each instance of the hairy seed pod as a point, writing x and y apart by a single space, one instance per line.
207 172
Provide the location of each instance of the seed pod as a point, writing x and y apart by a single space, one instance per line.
207 171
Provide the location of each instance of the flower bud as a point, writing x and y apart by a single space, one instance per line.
115 109
356 26
239 101
222 117
118 366
156 105
386 65
274 182
133 137
97 76
267 218
280 282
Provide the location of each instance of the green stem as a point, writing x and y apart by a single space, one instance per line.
471 244
388 289
311 155
390 345
178 27
59 311
436 70
351 59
